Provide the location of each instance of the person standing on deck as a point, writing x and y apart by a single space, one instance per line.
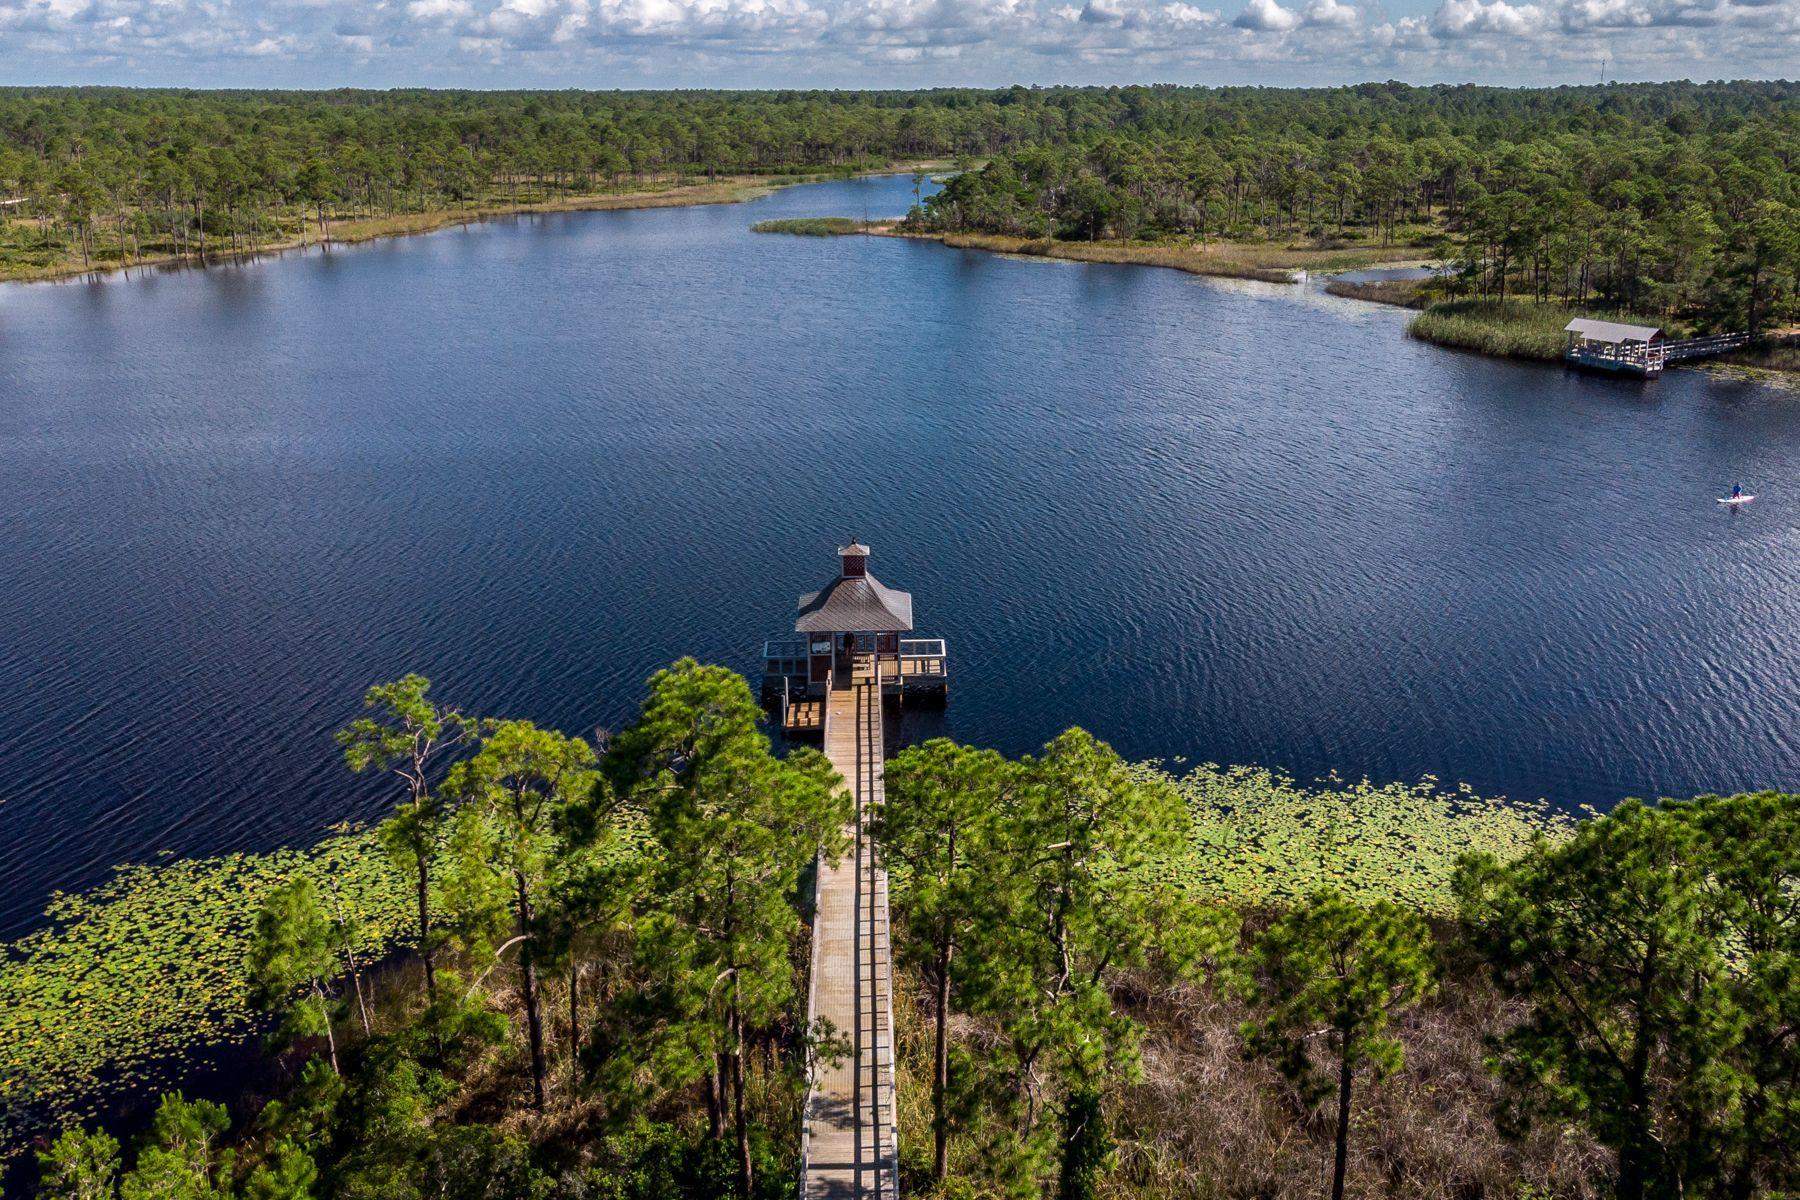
1737 491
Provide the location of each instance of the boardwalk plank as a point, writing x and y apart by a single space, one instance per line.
849 1135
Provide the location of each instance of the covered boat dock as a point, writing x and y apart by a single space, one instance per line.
1612 346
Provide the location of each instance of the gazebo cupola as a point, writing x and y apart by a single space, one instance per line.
853 560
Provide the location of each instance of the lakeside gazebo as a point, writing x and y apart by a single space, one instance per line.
849 632
854 622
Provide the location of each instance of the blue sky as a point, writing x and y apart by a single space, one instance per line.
886 43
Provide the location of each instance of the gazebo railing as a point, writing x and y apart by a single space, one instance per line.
785 656
909 662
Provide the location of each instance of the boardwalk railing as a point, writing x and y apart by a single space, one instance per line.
1704 347
812 1022
1646 358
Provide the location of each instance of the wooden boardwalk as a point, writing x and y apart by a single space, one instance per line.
847 1142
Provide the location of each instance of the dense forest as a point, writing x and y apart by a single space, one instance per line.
1662 199
1111 982
1676 199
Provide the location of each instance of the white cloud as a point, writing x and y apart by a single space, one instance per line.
1267 16
1466 18
439 10
1331 14
885 43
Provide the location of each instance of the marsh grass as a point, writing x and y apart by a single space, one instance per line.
1507 328
1403 293
1514 328
810 226
1267 263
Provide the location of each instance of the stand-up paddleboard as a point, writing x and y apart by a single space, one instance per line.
1736 499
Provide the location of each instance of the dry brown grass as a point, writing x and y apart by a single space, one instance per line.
1208 1123
1268 263
1403 293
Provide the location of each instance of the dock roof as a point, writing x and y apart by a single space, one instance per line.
855 604
1611 331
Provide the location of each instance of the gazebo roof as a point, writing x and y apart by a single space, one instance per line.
1611 331
855 604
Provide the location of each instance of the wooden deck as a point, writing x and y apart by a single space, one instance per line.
847 1141
803 716
919 669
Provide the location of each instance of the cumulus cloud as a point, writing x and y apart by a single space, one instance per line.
1466 18
779 43
1330 13
440 10
1267 16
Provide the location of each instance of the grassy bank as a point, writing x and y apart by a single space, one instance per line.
23 259
1782 356
1513 328
810 226
1267 262
1402 293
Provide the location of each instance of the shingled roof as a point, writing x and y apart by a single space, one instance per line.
855 604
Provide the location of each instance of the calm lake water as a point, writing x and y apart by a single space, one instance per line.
537 459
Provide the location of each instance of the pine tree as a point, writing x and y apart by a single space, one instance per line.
292 964
1339 969
944 805
733 828
79 1165
404 735
528 783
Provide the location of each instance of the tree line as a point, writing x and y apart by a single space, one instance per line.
1668 206
1661 197
604 994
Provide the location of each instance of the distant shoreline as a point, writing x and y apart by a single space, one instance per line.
725 189
1275 264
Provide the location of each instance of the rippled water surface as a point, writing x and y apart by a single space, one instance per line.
537 459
